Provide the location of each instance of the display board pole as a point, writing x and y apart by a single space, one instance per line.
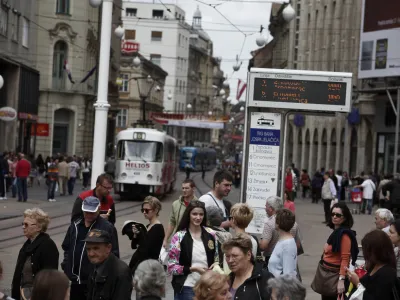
396 137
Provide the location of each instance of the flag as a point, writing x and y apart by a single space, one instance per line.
240 89
68 70
89 74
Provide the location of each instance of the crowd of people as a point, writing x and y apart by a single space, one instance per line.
209 253
59 173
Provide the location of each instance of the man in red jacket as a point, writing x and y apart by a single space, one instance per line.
22 171
104 185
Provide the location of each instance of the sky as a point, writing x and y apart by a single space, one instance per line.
228 41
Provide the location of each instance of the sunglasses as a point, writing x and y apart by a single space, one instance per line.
198 203
146 210
337 215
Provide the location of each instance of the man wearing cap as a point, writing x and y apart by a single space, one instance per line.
76 264
111 278
104 185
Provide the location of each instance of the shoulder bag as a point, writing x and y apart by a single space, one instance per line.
326 279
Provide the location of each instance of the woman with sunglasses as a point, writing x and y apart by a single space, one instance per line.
340 248
147 242
193 251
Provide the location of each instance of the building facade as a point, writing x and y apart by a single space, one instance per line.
324 36
163 38
131 89
18 27
67 57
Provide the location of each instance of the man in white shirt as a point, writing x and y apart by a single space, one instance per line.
222 185
383 219
368 187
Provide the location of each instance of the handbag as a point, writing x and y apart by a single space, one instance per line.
326 280
163 257
358 294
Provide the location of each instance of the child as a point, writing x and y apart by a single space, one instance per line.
289 204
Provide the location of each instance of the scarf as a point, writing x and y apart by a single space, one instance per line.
335 240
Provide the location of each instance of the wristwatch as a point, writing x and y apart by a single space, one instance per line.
342 277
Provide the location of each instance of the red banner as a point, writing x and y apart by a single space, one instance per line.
42 129
129 47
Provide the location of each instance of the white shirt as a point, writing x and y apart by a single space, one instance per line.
368 188
209 201
386 229
339 180
199 259
254 246
284 258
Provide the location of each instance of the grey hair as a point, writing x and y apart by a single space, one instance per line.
150 278
215 215
385 214
275 202
287 286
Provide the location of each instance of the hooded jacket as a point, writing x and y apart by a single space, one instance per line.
69 244
255 287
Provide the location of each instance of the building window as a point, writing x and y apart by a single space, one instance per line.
122 118
156 36
3 20
124 87
158 14
176 84
15 28
130 34
25 32
60 56
131 12
179 40
155 59
63 7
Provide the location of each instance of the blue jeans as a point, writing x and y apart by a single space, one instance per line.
22 189
368 203
14 187
71 184
51 189
186 293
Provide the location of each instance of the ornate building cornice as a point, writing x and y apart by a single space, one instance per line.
63 27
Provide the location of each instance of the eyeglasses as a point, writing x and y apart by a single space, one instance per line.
337 215
27 224
146 210
198 203
108 188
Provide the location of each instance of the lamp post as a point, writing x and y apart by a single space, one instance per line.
101 106
144 87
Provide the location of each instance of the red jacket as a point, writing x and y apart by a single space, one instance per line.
289 182
105 204
23 168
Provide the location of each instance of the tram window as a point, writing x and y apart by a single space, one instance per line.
141 151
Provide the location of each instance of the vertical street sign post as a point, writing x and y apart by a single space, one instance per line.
272 95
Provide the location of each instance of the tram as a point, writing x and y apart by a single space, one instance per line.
146 162
196 157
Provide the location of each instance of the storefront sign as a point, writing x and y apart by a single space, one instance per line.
25 116
8 114
42 129
263 162
129 47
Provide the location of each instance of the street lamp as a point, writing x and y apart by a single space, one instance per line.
119 32
288 13
189 106
95 3
210 113
145 85
226 84
222 92
1 81
136 62
242 108
169 97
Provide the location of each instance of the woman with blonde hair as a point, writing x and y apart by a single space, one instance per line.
212 286
147 240
38 252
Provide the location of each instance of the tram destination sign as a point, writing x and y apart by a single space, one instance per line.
300 90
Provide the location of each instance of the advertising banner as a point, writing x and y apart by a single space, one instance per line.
188 120
380 39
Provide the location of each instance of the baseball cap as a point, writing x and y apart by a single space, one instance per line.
98 236
90 204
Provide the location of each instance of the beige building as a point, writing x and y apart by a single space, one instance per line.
131 90
67 58
324 36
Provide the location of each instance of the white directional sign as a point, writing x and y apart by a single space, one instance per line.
263 161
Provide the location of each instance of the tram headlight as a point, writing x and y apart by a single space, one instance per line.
123 176
149 177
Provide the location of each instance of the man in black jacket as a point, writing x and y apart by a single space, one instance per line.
76 264
4 170
111 278
393 187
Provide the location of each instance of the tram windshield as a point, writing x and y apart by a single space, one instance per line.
187 155
144 151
